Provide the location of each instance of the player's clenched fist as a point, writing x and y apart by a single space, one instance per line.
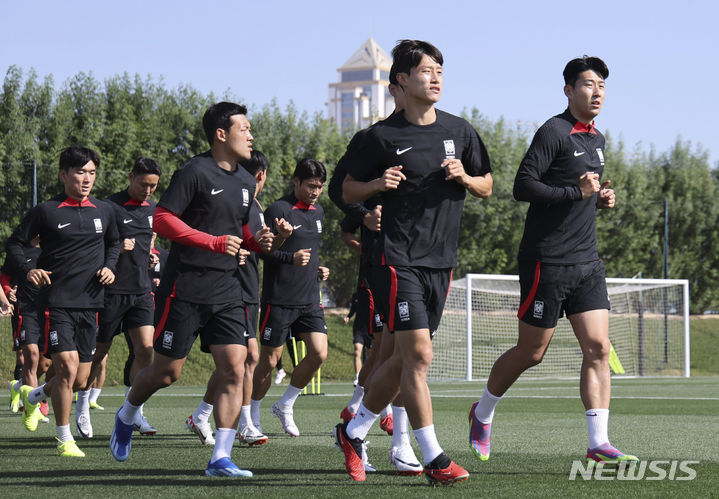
232 245
589 184
302 257
283 227
391 178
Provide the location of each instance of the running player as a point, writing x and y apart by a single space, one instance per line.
290 294
559 267
128 301
79 251
249 276
203 212
423 161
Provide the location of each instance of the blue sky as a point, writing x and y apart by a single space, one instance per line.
505 59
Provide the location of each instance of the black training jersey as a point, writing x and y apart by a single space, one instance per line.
420 219
249 273
134 220
215 201
282 282
26 291
560 225
77 239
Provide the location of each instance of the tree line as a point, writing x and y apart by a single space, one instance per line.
125 117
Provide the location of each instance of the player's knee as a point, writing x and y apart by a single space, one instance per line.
253 357
419 358
143 355
597 350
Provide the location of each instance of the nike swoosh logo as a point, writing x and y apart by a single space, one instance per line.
577 153
62 226
402 151
296 226
126 221
214 192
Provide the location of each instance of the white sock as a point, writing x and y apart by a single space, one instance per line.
224 438
36 394
385 412
288 398
485 409
245 416
428 444
356 399
202 413
82 406
95 394
255 411
598 426
400 435
63 433
128 412
360 425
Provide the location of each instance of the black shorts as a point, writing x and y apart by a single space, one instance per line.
253 319
379 276
548 291
132 311
182 321
277 322
72 329
364 324
414 297
30 326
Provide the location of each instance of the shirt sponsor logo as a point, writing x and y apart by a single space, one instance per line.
126 221
267 334
319 227
98 225
449 148
577 153
167 339
62 226
53 338
245 197
403 308
600 153
538 309
216 192
402 151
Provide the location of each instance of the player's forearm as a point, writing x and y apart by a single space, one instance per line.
354 191
527 188
479 186
169 226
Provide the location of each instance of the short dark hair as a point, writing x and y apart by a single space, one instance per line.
219 116
257 162
393 75
77 157
310 168
146 166
407 54
582 64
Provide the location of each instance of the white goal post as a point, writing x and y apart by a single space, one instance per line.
648 329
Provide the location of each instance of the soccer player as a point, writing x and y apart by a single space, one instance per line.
422 161
79 250
559 267
290 301
203 212
249 276
128 300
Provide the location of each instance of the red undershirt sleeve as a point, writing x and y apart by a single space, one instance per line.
248 240
5 282
170 226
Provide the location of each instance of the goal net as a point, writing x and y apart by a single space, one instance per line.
648 329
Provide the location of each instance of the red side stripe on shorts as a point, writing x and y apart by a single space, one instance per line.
46 330
264 322
392 297
532 292
16 333
165 312
371 311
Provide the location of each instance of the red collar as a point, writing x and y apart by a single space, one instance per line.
580 127
301 205
135 202
75 203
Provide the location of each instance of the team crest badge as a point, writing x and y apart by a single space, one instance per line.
98 225
149 219
267 334
53 338
319 227
538 309
167 339
449 148
403 308
245 197
601 155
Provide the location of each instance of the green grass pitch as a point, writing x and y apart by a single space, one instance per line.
539 430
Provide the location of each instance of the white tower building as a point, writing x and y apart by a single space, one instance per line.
361 97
